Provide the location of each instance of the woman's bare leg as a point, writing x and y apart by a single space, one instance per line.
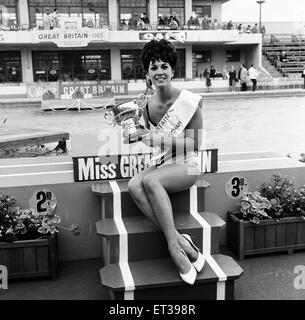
157 184
137 192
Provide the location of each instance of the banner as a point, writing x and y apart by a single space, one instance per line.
70 38
94 168
167 35
95 89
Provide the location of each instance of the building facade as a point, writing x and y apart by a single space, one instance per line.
101 40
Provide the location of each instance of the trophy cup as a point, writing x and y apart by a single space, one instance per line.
127 115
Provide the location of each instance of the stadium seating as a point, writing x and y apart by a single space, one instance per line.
286 53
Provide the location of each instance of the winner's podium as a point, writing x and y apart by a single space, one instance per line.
137 264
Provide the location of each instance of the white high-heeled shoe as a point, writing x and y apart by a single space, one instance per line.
199 263
189 277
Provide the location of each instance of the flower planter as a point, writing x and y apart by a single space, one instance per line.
247 238
30 258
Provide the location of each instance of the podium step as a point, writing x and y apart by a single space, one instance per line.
159 279
146 241
114 190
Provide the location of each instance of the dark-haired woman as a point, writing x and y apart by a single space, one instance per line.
174 119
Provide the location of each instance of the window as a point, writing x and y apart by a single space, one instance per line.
94 13
132 67
180 67
232 55
10 66
169 7
130 12
8 16
71 65
199 58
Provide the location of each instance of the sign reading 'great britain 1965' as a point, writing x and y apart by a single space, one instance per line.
70 38
94 168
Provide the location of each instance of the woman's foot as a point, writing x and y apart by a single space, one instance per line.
186 270
186 246
181 260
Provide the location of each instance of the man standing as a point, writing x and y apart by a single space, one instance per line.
253 73
243 78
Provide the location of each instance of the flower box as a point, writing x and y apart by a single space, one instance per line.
30 258
247 238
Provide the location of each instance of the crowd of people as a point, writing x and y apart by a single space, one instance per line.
243 77
207 23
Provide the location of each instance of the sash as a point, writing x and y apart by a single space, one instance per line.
176 119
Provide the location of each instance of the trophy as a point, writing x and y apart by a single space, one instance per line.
127 115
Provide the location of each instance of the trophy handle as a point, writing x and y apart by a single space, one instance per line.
107 116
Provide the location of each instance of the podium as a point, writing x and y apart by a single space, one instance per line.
137 264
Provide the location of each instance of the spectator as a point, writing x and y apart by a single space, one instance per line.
255 28
124 24
175 18
225 73
230 25
190 23
253 74
54 19
166 21
212 72
132 22
243 77
214 25
173 25
248 29
161 21
196 23
232 79
140 24
145 18
207 77
90 23
240 28
46 20
205 23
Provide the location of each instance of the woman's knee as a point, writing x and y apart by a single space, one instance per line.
135 186
150 183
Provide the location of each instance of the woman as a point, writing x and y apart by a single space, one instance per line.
207 77
232 79
172 169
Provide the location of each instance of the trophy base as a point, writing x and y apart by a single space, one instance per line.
136 136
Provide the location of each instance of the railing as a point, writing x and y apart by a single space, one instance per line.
115 26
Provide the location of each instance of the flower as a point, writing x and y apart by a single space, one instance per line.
25 224
278 198
75 229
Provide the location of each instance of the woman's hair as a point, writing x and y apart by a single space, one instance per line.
159 50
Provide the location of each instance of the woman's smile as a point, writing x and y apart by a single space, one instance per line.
160 72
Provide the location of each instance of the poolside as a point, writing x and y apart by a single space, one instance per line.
232 125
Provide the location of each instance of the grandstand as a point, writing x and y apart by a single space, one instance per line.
286 53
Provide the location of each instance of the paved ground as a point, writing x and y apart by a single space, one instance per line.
268 277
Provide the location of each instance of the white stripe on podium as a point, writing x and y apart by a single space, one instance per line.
123 242
206 228
206 244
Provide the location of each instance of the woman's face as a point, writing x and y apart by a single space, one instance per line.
160 73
